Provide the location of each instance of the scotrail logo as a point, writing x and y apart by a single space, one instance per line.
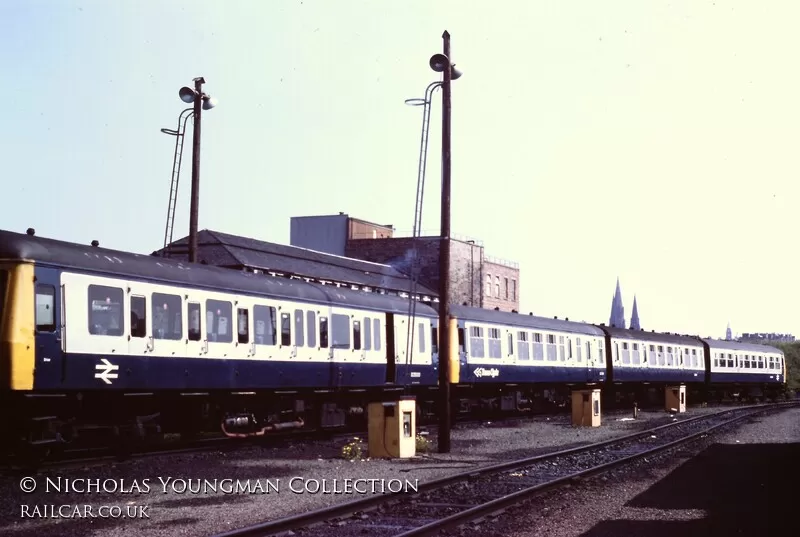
481 372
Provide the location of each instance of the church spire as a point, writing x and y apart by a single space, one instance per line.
617 318
728 334
635 316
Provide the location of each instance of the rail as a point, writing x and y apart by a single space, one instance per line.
477 493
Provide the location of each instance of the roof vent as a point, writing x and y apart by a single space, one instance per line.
514 311
464 304
497 309
566 318
555 316
95 243
31 231
530 313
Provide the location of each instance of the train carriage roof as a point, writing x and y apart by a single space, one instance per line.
739 346
119 264
658 337
528 321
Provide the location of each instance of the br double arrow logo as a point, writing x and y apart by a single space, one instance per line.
105 371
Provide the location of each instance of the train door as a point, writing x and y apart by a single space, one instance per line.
50 361
509 356
421 353
196 344
140 342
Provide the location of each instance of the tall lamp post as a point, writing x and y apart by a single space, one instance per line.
201 101
441 64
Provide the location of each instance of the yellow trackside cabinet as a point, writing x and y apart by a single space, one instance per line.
675 399
586 408
392 429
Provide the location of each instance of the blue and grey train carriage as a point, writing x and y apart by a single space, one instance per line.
744 370
96 336
637 356
530 357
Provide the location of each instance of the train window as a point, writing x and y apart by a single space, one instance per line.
218 321
635 355
461 340
421 328
138 316
243 318
45 308
357 335
367 334
730 360
538 347
167 316
311 328
578 349
476 346
510 343
624 346
522 346
105 311
264 324
194 321
376 333
588 350
434 340
286 329
299 329
569 348
600 358
495 346
323 332
552 351
340 330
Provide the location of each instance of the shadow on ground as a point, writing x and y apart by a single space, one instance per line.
728 489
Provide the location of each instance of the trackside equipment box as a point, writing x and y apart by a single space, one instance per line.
675 399
586 408
392 429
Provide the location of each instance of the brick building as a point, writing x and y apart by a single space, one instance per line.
475 278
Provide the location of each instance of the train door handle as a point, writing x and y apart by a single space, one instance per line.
253 349
150 344
204 347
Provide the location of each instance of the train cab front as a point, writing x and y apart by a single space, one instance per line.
18 409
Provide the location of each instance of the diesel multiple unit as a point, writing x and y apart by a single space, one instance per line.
95 337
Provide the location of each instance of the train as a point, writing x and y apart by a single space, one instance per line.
98 339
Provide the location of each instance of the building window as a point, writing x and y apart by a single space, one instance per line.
514 290
488 285
497 287
506 282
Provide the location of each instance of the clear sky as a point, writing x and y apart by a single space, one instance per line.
655 141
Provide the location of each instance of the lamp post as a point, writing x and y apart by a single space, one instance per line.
201 102
441 64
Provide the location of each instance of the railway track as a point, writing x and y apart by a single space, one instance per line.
470 496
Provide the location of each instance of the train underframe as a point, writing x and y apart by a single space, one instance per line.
54 421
